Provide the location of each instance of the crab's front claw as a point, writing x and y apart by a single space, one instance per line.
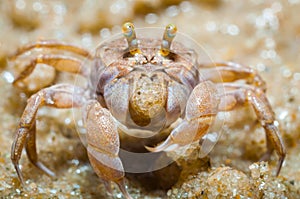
103 146
200 113
185 133
167 145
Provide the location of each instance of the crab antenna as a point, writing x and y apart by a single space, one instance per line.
129 34
169 34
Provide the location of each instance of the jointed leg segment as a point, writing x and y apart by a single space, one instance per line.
253 93
58 96
60 62
49 44
230 72
239 94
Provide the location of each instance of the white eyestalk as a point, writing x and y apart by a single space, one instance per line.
169 34
129 34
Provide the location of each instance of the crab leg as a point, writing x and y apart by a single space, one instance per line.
31 151
103 146
51 45
58 96
201 109
239 94
229 72
59 62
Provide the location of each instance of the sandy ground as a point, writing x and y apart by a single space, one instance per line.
262 34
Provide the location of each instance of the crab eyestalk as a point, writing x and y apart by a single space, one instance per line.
129 34
169 34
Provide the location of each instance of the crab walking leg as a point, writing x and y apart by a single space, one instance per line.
239 94
201 110
59 62
58 96
31 151
229 72
51 44
103 145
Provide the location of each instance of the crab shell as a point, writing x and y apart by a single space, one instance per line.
145 92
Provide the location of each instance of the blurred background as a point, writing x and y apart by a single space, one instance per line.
263 34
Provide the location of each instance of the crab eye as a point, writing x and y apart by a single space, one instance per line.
171 30
169 34
128 30
129 34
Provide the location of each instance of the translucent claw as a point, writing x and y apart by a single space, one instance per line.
129 34
167 145
169 34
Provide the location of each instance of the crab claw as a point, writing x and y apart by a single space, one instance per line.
184 134
167 145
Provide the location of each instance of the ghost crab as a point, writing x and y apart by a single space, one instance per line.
142 86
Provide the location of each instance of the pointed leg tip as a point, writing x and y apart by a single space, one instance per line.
19 173
45 169
279 167
122 187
